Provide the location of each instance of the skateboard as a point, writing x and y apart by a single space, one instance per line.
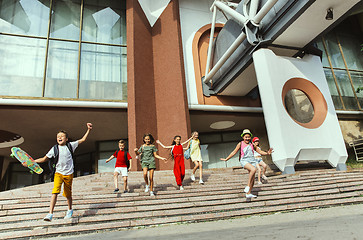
23 157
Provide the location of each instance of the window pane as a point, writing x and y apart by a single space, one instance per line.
26 17
353 55
346 90
22 66
334 51
324 57
62 69
357 78
333 89
103 72
65 19
104 22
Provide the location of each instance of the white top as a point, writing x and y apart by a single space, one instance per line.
65 161
256 154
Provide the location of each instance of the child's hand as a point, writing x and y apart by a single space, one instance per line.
271 150
136 149
157 141
89 126
223 159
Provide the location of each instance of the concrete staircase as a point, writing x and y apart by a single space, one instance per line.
97 208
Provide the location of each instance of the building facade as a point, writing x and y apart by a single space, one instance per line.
67 62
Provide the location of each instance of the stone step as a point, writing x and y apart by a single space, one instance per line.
97 208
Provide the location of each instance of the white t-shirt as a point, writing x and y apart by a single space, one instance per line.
65 161
256 154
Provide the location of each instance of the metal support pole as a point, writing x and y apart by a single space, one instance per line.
253 8
210 47
234 14
263 11
225 56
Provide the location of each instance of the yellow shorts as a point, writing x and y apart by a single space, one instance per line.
67 188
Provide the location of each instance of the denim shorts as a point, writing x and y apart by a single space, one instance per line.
244 162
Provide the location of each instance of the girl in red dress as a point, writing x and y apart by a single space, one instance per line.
177 152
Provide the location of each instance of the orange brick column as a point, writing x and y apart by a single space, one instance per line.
157 101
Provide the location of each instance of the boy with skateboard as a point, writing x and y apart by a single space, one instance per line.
63 153
122 166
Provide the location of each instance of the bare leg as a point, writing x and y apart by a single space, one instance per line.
69 202
145 175
53 201
258 172
125 183
264 165
251 177
151 177
196 165
115 179
200 170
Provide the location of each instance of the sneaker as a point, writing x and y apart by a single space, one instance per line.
48 217
126 191
152 194
147 188
181 188
116 190
250 195
69 214
247 189
264 177
259 182
201 181
192 177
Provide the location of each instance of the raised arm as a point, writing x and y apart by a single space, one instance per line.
162 145
232 153
263 153
187 140
89 128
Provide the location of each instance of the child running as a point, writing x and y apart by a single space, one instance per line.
148 155
259 162
122 166
247 159
196 156
63 154
177 153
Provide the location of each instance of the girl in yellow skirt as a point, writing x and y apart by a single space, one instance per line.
196 156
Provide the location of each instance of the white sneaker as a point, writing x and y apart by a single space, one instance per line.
259 183
146 188
192 177
264 177
69 214
250 195
247 189
152 194
201 181
181 188
49 217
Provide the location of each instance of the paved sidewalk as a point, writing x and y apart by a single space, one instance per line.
345 222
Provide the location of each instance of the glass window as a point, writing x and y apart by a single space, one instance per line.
26 17
346 90
353 55
210 138
334 51
357 78
61 81
22 66
104 22
333 89
103 72
325 61
66 16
